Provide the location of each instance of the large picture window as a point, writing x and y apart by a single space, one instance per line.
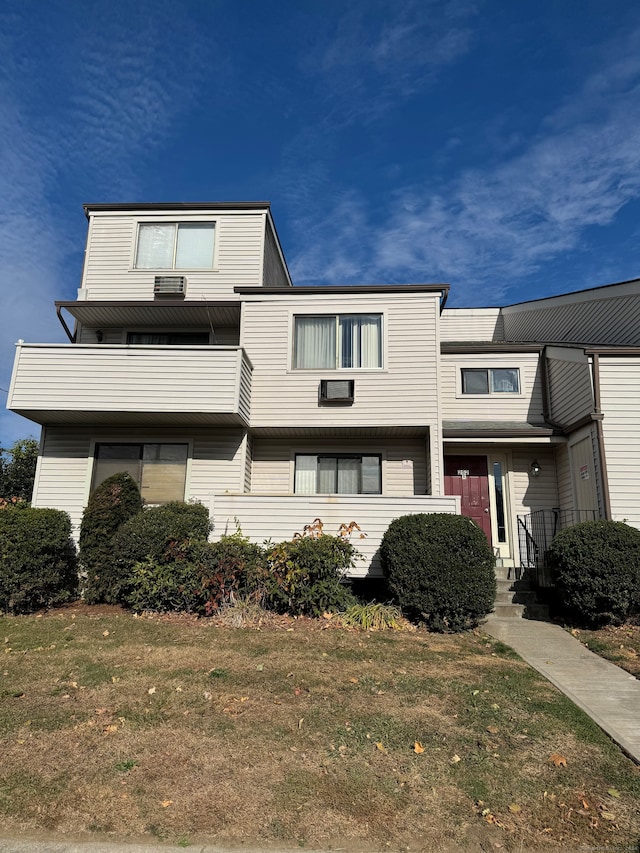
158 469
492 380
175 246
340 474
340 341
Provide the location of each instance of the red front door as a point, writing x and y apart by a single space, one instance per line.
468 477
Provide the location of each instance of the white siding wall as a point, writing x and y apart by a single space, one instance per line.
404 392
532 493
563 475
111 245
620 396
103 378
403 462
279 517
526 406
570 388
274 272
65 467
471 324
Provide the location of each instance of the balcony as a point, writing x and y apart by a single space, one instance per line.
117 384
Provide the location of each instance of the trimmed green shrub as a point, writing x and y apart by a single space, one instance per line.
305 576
37 559
596 567
115 501
440 570
149 535
195 576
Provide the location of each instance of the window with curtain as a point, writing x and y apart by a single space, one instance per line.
158 469
338 341
175 245
169 338
341 474
500 380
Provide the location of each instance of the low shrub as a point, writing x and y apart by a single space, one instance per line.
440 570
596 567
194 576
149 534
112 503
37 559
372 617
305 576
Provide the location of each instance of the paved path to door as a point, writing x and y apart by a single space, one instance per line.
608 694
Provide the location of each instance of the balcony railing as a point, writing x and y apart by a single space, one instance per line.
535 534
109 383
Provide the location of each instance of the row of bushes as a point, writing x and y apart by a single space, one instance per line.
439 568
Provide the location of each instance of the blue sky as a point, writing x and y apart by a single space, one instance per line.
493 145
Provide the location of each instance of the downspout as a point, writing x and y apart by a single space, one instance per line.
72 337
600 435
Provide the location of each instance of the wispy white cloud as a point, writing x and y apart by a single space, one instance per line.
504 222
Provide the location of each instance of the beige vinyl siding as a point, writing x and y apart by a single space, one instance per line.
279 517
244 389
471 324
248 462
599 317
620 400
403 462
529 493
109 269
105 378
274 273
403 392
563 476
66 463
527 406
570 387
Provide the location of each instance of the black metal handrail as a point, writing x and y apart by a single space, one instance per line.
535 534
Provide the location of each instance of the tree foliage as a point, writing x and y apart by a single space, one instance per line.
18 469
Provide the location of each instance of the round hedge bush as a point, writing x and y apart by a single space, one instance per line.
440 569
596 567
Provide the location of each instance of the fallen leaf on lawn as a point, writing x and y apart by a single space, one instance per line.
353 680
166 803
73 684
300 722
151 691
495 707
108 729
105 633
418 748
613 792
297 691
114 678
492 730
557 760
607 815
327 615
515 808
244 698
455 759
178 689
206 694
101 711
380 746
475 692
260 667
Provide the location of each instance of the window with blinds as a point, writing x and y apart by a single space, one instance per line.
158 469
340 474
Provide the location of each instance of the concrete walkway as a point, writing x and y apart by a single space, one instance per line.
608 694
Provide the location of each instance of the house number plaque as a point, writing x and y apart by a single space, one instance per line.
463 472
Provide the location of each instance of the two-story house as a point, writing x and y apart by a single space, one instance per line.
195 364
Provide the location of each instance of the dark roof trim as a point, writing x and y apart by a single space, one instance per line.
344 289
472 431
612 350
177 205
481 347
148 303
572 292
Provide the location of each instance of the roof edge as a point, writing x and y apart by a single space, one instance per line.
345 289
178 205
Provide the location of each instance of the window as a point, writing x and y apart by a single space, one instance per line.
158 469
341 474
169 338
493 380
175 246
337 341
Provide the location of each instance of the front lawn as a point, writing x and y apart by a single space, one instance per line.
296 733
620 644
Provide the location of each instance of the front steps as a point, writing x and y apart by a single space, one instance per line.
516 596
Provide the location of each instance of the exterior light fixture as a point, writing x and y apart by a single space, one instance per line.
535 468
99 335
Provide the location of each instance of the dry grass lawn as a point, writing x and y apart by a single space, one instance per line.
619 644
297 733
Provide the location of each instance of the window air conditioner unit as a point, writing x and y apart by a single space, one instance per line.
336 390
169 285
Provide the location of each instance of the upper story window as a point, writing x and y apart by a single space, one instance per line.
337 341
492 380
175 246
169 338
339 474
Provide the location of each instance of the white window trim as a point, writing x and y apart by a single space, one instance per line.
501 395
175 220
307 371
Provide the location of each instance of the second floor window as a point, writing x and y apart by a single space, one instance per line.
492 380
175 246
338 341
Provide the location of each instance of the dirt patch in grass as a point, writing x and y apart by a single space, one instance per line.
296 733
619 644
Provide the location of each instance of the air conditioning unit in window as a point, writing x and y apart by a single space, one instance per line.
169 285
336 390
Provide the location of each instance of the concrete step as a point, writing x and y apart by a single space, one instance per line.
509 611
